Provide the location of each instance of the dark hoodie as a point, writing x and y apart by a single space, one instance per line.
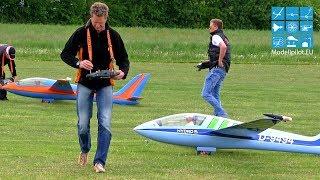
100 54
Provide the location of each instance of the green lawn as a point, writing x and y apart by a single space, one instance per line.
44 42
39 140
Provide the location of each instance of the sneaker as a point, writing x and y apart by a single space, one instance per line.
98 168
83 159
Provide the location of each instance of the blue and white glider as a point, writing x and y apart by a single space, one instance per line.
208 133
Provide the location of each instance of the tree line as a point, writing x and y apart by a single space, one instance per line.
236 14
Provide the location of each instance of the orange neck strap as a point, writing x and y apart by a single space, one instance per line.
89 45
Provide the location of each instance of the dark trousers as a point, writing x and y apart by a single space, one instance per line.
3 93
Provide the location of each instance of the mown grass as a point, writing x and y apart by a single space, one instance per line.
39 140
44 42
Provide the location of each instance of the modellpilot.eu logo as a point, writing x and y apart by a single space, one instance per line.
292 27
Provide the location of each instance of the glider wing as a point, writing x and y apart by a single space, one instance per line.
247 130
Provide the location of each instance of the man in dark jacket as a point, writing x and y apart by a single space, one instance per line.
7 56
96 45
219 56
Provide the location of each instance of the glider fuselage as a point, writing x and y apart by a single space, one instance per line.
222 133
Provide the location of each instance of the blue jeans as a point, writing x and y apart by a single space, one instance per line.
84 112
211 90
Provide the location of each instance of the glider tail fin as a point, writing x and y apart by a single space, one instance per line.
133 89
62 85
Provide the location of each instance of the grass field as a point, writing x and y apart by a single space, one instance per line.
44 42
39 140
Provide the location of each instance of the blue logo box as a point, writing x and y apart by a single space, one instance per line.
292 27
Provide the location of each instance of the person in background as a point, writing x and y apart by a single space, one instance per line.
220 59
7 56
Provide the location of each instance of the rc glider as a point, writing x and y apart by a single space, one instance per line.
49 89
208 133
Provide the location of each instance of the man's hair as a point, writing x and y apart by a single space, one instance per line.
99 9
217 22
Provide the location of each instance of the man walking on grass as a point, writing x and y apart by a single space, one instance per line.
97 45
219 56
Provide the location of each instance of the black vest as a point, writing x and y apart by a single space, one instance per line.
213 51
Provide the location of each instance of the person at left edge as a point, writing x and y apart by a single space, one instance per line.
95 31
7 56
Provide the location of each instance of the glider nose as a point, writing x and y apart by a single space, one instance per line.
138 129
8 86
145 126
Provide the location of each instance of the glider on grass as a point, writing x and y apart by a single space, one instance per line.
208 133
49 90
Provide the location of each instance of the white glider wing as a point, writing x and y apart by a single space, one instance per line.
247 130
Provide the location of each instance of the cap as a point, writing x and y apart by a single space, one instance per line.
12 52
